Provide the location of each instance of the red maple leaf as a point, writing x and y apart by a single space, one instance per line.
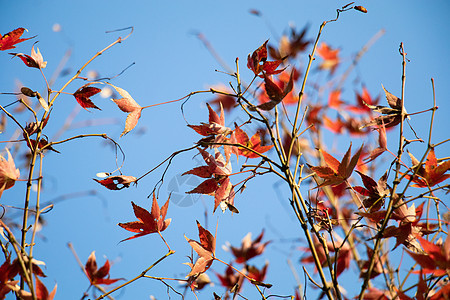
129 105
363 100
336 126
218 184
117 182
382 142
257 274
215 125
249 248
8 40
97 276
337 172
231 279
390 116
334 100
435 259
290 46
149 222
205 249
253 143
41 292
409 225
257 62
276 93
430 175
7 273
374 191
83 94
330 57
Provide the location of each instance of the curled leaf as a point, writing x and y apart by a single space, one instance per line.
129 105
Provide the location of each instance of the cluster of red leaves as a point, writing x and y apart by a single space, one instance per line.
95 275
409 224
12 38
233 280
218 168
342 258
218 183
149 222
8 271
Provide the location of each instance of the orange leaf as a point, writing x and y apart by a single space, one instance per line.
337 172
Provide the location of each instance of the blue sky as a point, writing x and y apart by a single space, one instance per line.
170 62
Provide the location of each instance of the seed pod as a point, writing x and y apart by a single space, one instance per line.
361 8
27 92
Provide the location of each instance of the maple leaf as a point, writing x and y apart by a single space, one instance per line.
336 126
8 40
219 185
257 274
205 249
83 94
129 105
97 276
8 172
231 279
290 46
391 116
275 93
249 248
7 273
257 62
41 292
253 143
435 259
430 175
330 57
34 61
337 172
374 191
215 126
149 222
117 182
334 99
382 142
409 227
363 100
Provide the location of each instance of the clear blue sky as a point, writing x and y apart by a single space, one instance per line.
170 62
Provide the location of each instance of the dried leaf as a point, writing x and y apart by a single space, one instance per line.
129 105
